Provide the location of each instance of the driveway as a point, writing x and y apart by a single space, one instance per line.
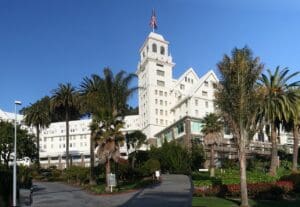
172 192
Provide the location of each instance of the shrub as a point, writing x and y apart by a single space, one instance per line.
173 158
76 174
24 177
207 191
5 185
295 179
150 167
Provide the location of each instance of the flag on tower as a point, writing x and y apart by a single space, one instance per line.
153 21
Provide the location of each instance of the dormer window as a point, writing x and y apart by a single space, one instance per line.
162 50
154 47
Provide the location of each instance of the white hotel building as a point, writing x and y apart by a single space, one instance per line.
168 108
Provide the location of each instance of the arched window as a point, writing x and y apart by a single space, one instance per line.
162 50
154 47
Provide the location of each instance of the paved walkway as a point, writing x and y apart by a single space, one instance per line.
172 192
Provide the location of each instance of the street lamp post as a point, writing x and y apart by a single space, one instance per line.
15 158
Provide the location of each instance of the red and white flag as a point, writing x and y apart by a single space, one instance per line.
153 21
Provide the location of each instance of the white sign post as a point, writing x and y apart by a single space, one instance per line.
112 181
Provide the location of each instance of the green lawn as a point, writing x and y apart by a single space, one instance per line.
220 202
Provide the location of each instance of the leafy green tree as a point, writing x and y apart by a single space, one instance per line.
38 115
212 130
197 156
278 101
134 141
65 99
25 142
237 101
173 157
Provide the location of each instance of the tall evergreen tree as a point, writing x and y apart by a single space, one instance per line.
237 100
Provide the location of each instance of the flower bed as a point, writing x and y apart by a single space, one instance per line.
274 190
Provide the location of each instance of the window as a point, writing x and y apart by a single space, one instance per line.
181 86
155 92
70 144
64 145
166 103
162 50
161 121
166 113
160 83
161 112
205 83
159 65
156 111
45 146
154 47
166 94
160 72
192 80
143 54
196 102
204 93
45 139
156 121
196 112
156 101
180 128
161 102
214 85
161 93
206 104
185 79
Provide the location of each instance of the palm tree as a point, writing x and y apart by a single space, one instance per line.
279 99
212 130
91 101
293 125
237 100
65 99
115 92
38 115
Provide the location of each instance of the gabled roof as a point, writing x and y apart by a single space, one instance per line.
194 89
180 79
201 81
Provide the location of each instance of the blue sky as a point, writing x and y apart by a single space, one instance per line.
46 42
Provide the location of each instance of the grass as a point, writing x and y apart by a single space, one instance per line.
221 202
232 176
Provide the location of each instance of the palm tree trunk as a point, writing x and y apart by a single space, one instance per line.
243 175
67 139
92 159
38 144
274 153
296 147
107 171
212 160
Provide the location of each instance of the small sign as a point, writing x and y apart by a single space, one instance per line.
112 180
157 174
